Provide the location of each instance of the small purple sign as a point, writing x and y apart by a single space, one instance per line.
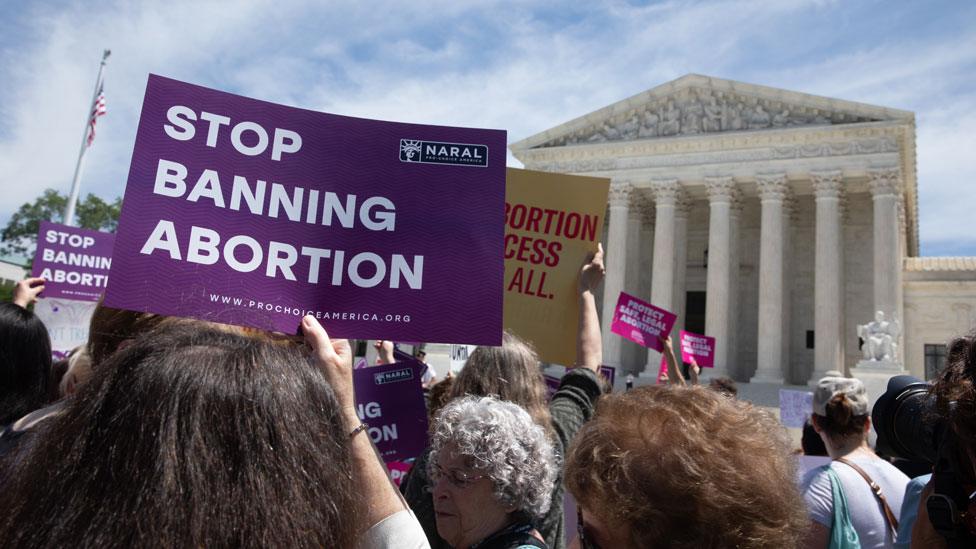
610 373
390 400
248 212
552 384
641 322
698 349
73 262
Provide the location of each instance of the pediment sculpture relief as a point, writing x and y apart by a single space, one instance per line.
693 112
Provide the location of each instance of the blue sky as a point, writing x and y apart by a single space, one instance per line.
522 66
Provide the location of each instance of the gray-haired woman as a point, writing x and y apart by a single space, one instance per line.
492 469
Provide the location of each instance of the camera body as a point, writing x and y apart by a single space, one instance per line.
909 427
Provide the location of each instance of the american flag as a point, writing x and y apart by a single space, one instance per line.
98 109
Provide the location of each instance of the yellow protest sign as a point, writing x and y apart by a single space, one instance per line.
552 221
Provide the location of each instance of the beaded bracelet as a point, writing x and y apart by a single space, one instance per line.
362 427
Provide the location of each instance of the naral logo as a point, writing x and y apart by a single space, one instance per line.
393 376
434 152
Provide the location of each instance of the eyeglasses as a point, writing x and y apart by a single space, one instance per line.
458 478
585 541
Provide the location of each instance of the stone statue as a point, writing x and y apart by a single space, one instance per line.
781 119
879 338
671 120
693 114
630 128
759 118
713 116
737 117
649 126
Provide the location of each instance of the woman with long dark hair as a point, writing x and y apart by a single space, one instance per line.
196 436
25 363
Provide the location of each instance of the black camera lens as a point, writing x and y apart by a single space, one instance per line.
905 421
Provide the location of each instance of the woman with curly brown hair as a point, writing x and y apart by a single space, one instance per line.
683 467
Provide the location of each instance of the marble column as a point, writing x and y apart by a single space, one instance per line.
616 265
632 355
682 208
666 193
885 187
734 368
789 221
769 364
828 316
718 290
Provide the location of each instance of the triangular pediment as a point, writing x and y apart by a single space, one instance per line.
702 105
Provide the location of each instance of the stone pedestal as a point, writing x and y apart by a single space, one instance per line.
875 375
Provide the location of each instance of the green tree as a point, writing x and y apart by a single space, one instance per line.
19 237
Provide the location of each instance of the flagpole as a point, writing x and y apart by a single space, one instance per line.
69 209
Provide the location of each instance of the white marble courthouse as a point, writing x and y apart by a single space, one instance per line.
773 220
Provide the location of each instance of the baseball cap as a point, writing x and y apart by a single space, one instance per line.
831 386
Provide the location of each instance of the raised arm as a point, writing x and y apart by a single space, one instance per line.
334 359
589 346
384 352
25 292
674 374
693 371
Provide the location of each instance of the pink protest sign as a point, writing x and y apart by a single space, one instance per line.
641 322
398 470
697 348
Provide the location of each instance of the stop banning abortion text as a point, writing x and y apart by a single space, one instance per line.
289 203
73 262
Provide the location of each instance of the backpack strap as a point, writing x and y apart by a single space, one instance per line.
876 488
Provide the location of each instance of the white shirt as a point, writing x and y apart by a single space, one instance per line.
867 515
427 375
399 530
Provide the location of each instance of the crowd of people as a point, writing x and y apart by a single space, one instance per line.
175 432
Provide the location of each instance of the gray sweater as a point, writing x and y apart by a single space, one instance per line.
570 408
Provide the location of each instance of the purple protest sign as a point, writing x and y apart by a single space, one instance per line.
247 212
610 373
697 348
641 322
389 398
73 262
552 384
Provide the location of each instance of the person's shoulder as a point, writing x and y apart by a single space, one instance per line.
818 475
399 530
883 467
